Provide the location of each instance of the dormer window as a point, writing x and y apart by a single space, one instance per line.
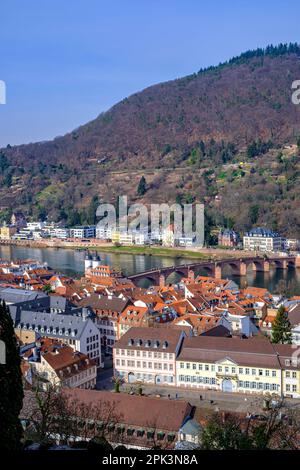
165 344
156 343
131 342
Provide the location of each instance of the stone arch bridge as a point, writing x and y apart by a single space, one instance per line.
214 268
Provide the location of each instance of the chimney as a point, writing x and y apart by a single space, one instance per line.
191 275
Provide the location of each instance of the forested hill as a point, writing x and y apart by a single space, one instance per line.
209 118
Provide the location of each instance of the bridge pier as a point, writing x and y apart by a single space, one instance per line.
162 281
264 266
217 271
284 264
243 269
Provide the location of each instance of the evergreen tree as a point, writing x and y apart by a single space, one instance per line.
11 387
224 434
142 186
281 328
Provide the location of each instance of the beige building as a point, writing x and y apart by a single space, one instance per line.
59 365
7 231
238 365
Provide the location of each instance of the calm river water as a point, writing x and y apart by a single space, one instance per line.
71 262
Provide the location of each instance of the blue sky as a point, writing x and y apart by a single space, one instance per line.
66 61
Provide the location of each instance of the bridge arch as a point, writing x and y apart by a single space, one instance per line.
206 270
146 281
175 276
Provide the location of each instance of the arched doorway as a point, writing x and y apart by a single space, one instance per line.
227 385
158 379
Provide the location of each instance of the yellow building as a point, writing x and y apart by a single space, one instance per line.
238 365
115 236
7 231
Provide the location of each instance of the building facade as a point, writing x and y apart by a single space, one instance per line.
148 355
261 239
86 231
238 365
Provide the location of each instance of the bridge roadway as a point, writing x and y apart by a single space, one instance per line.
239 266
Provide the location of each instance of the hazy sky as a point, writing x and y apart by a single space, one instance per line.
66 61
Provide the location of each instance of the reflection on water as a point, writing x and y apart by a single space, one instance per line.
71 262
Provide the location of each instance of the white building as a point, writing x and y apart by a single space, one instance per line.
186 241
60 232
35 225
104 233
261 239
75 329
83 231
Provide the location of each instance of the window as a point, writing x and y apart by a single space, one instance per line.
240 370
219 368
233 370
267 373
294 375
181 365
194 366
288 387
260 372
253 371
288 374
206 367
273 373
247 371
294 388
187 365
200 366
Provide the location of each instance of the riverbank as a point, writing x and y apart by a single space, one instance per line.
98 245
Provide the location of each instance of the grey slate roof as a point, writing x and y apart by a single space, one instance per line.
55 325
191 427
13 296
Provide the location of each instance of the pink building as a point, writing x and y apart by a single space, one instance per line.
148 355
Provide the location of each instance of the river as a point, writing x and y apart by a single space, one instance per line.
71 263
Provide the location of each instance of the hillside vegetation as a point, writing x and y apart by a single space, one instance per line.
226 135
